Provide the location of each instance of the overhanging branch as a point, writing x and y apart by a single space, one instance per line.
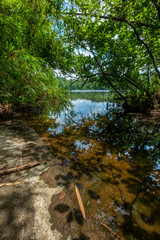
132 25
119 19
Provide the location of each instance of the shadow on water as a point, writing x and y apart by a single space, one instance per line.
115 159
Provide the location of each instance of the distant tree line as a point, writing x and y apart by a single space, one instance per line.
73 84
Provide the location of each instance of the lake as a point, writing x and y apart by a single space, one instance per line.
115 160
92 91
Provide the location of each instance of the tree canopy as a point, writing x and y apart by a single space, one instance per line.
113 43
31 48
122 39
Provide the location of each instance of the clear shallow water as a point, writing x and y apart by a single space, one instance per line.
114 158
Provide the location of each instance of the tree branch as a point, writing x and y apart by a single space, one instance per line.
145 45
101 68
130 81
131 24
157 6
119 19
73 83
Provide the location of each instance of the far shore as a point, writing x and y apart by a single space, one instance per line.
90 90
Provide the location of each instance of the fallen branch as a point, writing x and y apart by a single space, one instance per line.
106 227
11 182
19 168
80 202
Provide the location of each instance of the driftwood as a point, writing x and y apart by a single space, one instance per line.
19 168
104 225
80 202
11 182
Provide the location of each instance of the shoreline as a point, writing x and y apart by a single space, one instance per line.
29 201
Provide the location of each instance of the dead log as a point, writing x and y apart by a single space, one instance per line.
19 168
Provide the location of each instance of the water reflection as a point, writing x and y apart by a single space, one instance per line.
81 109
115 158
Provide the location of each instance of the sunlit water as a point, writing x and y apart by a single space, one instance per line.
81 110
115 159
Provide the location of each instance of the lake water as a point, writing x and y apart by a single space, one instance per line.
92 91
114 159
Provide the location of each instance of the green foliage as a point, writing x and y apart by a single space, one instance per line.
118 43
30 50
62 82
111 44
91 85
138 102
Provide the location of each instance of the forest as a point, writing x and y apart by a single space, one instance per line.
79 165
105 44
